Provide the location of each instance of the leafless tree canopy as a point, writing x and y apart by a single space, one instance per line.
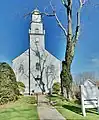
81 77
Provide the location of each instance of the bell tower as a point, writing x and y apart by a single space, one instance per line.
36 16
36 31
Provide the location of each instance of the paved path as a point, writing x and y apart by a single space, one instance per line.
47 112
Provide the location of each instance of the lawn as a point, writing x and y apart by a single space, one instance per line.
72 111
23 109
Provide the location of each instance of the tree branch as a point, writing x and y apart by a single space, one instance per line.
77 31
57 19
27 14
60 25
44 64
47 14
37 81
64 2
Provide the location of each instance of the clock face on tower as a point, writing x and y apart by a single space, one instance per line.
36 17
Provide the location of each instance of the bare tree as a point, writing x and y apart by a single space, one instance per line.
71 38
81 77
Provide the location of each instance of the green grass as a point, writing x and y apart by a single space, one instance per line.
72 111
23 109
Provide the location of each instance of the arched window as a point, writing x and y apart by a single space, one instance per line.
36 30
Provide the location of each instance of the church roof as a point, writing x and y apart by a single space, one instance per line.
92 81
36 11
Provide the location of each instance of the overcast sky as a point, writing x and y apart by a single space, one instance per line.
14 32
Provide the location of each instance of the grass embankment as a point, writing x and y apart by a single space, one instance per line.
72 110
23 109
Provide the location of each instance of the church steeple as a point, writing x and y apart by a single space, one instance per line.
36 31
36 16
36 11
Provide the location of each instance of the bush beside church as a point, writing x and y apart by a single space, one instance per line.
8 86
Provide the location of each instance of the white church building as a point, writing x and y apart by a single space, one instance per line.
36 67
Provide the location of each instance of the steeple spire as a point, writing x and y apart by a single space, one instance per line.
36 16
36 4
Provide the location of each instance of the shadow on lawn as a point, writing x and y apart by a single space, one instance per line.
73 109
78 109
93 111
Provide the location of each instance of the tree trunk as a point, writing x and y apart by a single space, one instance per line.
62 92
69 47
68 98
69 55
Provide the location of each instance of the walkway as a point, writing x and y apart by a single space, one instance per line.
47 112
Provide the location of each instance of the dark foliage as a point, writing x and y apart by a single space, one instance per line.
56 87
73 108
8 85
21 87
